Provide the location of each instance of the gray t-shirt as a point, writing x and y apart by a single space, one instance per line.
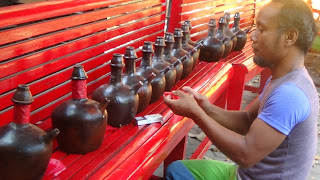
294 157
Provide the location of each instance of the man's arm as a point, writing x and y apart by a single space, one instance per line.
238 121
245 150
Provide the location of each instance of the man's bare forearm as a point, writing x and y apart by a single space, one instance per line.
237 121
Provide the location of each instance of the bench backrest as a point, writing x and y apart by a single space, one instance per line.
200 12
40 43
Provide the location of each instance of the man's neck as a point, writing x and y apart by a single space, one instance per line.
294 59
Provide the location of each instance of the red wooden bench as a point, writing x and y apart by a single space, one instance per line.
40 43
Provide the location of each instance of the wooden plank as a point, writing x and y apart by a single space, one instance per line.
12 15
19 33
75 32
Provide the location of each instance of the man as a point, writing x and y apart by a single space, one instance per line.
277 137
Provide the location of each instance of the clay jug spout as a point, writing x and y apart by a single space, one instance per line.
247 30
225 39
48 138
103 105
150 78
136 87
165 70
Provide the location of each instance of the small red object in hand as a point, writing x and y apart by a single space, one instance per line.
175 97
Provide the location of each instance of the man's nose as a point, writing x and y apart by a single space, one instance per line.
254 36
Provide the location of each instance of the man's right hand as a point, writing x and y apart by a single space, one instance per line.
201 99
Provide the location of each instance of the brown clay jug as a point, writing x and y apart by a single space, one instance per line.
167 56
124 100
192 43
186 46
25 149
131 78
159 63
82 122
159 82
222 37
178 52
241 35
213 48
228 32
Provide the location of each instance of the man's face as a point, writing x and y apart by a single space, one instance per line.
268 43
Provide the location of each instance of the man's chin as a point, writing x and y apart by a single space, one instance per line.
260 62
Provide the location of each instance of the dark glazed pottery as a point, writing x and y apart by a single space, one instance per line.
213 48
25 149
159 63
179 53
82 122
124 100
241 35
167 56
159 82
228 32
192 43
131 78
186 46
222 37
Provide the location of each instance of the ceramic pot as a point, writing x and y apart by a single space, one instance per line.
124 100
131 78
178 52
228 32
241 35
186 46
222 37
82 122
167 56
159 82
25 149
159 63
213 48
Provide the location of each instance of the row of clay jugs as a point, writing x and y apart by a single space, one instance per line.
179 53
228 32
159 63
240 34
81 121
25 149
213 47
145 70
123 99
168 57
131 78
186 46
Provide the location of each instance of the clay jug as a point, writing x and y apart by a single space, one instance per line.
131 78
82 122
167 56
222 37
228 32
159 63
192 43
186 46
241 35
178 52
213 48
25 149
159 82
124 100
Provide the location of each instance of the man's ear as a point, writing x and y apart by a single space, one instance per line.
291 37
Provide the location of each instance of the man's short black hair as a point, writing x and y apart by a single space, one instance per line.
296 14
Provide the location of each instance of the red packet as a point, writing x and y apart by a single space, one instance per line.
175 97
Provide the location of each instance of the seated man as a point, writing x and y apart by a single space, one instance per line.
277 137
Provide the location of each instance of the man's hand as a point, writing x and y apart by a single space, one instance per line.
186 105
202 100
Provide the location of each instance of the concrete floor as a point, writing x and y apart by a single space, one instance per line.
194 139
